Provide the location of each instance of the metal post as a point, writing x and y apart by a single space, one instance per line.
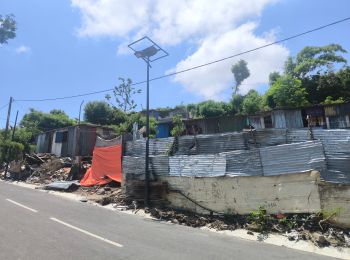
147 141
145 54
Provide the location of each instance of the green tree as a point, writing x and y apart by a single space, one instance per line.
126 127
178 126
98 112
123 94
329 100
236 103
286 92
7 28
10 151
212 108
192 109
252 103
39 121
273 77
331 85
240 72
289 67
315 59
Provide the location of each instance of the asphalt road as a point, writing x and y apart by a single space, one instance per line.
38 225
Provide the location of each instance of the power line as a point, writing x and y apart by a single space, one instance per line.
198 66
4 106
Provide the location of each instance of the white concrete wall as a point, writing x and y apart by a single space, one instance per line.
336 198
292 193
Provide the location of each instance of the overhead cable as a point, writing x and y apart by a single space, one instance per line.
196 67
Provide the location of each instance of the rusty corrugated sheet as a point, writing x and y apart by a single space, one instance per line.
331 110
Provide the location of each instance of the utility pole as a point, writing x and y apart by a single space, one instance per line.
78 143
14 127
8 117
6 134
9 149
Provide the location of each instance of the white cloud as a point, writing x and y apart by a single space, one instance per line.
22 49
211 81
214 29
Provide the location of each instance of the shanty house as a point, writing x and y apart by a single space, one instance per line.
337 115
77 140
215 125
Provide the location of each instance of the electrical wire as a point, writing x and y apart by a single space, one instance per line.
4 106
195 67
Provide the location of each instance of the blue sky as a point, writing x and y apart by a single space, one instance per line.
66 47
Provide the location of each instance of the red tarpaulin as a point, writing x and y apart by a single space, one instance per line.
106 166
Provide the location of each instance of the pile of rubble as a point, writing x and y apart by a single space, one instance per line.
51 170
46 168
110 193
316 228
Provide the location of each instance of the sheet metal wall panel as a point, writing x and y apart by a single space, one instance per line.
156 147
337 122
40 144
336 148
289 158
232 124
211 144
87 140
293 118
209 165
278 119
243 163
72 144
56 147
331 110
134 167
255 122
267 137
211 126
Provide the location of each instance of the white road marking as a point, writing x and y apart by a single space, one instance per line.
21 205
86 232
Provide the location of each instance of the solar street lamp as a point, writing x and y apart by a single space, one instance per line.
149 51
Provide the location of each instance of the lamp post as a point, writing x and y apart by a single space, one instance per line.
147 50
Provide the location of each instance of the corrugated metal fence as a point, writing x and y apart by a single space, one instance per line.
262 152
